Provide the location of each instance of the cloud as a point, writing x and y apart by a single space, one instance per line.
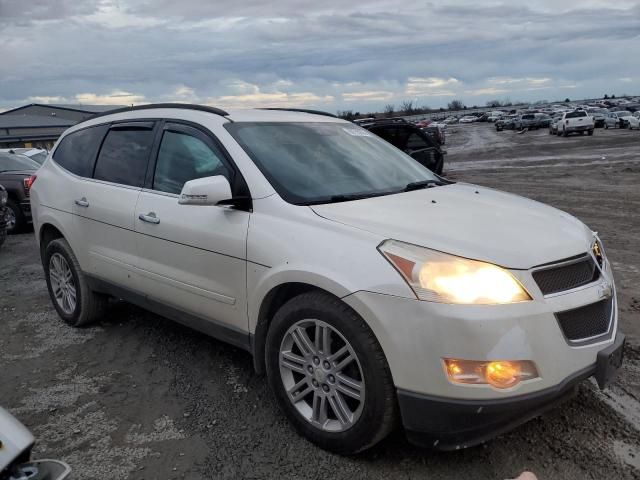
431 86
329 54
117 97
377 96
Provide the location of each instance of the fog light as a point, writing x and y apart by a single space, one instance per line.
503 374
498 373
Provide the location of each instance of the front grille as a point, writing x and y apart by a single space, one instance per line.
586 322
567 275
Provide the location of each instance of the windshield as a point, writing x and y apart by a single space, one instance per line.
579 113
13 161
623 113
310 163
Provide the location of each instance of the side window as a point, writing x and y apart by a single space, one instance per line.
416 142
183 157
124 155
77 151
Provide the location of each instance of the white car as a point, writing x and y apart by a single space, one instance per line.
369 289
577 121
617 119
37 154
468 119
633 122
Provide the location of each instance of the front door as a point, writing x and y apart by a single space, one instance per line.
191 257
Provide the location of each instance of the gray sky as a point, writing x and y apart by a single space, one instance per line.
325 54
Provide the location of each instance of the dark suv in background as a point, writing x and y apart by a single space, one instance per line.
3 214
410 139
16 176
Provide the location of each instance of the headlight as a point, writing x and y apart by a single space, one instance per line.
3 197
438 277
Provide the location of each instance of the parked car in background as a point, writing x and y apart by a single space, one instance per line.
617 119
507 122
598 114
16 176
526 120
542 120
370 290
553 124
633 122
577 121
495 116
411 140
469 119
450 120
4 214
37 154
436 132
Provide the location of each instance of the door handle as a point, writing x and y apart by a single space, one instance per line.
149 218
82 202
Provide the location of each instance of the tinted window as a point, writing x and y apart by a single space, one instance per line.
123 156
183 157
416 142
577 114
77 151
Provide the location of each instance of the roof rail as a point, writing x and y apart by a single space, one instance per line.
188 106
374 121
302 110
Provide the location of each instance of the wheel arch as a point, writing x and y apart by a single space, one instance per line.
46 234
275 298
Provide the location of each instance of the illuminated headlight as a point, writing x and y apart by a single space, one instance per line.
438 277
598 251
3 197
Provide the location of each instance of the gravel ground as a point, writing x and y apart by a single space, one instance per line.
141 397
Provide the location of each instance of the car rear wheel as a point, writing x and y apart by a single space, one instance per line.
16 220
590 132
329 374
70 294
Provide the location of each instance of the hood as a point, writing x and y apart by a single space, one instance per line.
469 221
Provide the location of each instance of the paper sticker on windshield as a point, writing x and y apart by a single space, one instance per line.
357 132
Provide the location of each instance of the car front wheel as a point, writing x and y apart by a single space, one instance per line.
329 374
15 219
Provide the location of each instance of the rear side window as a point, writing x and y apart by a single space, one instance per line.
124 155
77 151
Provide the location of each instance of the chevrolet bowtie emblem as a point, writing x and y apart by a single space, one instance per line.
605 290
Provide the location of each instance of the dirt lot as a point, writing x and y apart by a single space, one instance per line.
140 397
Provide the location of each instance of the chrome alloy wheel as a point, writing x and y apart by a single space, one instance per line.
62 283
322 375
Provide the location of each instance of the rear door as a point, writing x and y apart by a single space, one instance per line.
105 204
192 257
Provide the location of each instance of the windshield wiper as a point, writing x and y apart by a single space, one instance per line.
422 184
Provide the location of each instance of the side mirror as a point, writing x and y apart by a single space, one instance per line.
205 191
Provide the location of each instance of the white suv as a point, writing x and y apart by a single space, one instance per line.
370 290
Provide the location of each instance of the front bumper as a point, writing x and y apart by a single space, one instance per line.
449 424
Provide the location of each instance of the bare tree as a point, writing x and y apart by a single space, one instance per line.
455 105
494 103
389 110
407 107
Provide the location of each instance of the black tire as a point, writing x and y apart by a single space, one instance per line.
379 412
3 235
89 304
21 221
565 133
606 126
590 132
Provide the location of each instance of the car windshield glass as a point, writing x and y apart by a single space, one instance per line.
576 114
39 157
13 161
326 162
623 113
